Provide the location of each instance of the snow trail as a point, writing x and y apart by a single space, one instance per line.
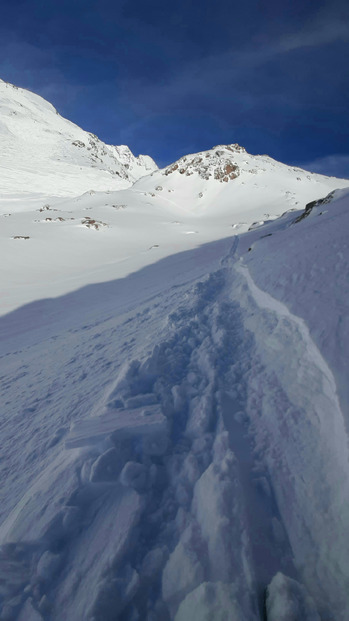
185 481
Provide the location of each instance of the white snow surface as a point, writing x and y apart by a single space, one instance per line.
175 435
45 154
71 212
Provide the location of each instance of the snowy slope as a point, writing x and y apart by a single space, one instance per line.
175 434
181 435
43 153
229 185
69 242
64 217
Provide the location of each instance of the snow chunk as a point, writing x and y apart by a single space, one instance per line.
114 594
153 562
134 475
107 467
287 600
28 612
183 571
211 601
144 423
48 565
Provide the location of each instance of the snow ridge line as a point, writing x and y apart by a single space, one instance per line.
299 433
266 301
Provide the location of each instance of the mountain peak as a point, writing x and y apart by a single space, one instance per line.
53 156
217 163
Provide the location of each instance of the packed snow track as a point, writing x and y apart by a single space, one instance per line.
175 458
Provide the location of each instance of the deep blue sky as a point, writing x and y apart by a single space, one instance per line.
170 78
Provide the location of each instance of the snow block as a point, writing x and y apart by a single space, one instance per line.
48 566
141 400
134 475
215 502
141 423
182 573
200 416
114 594
107 467
287 600
210 601
71 520
28 612
153 562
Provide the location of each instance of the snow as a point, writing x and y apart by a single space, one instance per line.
74 215
211 601
175 432
44 154
288 601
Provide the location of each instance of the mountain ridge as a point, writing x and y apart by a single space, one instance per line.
54 156
111 213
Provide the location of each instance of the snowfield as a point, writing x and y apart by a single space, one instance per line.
175 403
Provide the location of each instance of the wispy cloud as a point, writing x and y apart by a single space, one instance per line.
331 165
234 74
28 66
322 30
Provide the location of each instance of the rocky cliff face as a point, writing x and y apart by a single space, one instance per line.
218 163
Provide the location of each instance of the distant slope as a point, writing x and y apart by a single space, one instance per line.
44 153
226 181
75 211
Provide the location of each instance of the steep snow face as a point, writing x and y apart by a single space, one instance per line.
44 153
304 262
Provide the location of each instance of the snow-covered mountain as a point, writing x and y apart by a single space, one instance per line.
175 435
41 152
227 182
63 214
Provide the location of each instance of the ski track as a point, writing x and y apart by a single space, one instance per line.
215 499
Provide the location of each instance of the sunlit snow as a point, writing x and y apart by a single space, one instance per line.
174 391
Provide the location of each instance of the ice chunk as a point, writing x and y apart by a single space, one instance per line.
287 600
